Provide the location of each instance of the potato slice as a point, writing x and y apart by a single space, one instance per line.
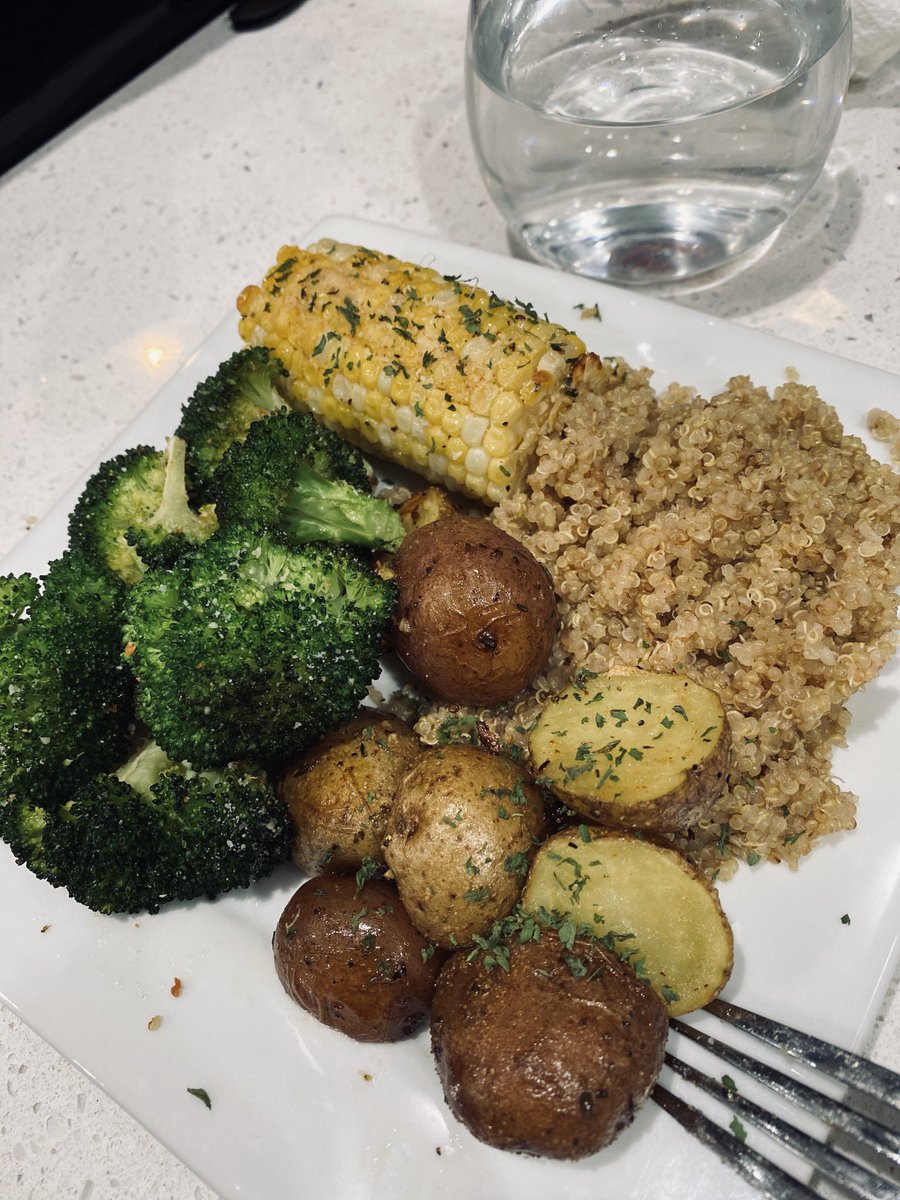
647 903
642 750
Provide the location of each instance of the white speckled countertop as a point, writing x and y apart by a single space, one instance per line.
126 239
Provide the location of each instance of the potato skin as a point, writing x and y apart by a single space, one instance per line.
461 834
476 613
353 959
536 1061
339 791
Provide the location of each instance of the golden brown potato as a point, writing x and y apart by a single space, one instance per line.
642 750
476 613
554 1055
352 958
461 833
339 791
647 901
424 507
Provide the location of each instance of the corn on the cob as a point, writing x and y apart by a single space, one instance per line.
430 372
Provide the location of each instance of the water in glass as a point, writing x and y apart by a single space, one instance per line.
638 142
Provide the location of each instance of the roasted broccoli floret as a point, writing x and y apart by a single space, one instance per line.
65 694
134 513
223 407
302 483
16 594
157 831
252 649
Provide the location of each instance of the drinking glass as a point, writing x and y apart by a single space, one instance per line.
640 141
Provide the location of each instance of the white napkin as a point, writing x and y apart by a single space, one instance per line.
876 34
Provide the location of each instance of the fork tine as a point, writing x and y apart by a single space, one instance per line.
771 1180
871 1133
860 1073
854 1177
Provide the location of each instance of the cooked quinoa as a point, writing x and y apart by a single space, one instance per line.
746 541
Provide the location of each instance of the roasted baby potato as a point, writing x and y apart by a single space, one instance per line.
552 1056
642 750
461 834
646 901
339 791
352 958
476 613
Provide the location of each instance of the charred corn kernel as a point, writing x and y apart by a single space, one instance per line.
431 371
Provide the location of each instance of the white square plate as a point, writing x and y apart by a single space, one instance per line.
299 1109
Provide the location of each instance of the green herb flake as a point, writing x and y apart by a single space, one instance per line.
517 795
517 863
845 919
576 965
567 933
368 869
738 1130
724 838
201 1094
574 771
350 312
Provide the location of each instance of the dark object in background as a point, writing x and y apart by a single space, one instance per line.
56 66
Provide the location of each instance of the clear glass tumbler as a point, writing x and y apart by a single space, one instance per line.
640 141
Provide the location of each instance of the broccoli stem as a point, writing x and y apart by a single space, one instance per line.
175 514
144 768
319 509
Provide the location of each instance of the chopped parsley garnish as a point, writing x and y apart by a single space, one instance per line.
201 1094
349 310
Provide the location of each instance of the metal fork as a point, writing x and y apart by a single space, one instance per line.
857 1154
